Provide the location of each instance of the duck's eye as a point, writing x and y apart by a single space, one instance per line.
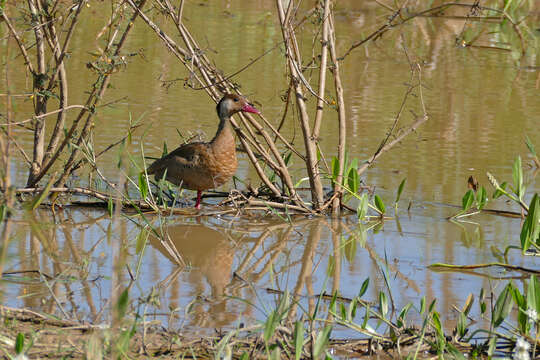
235 99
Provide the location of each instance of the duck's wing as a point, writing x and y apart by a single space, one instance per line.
184 158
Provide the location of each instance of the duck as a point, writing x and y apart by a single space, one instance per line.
202 166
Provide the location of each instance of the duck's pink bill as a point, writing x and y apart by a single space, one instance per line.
251 109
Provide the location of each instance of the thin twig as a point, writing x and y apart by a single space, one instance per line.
47 114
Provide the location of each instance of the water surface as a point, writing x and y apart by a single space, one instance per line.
214 269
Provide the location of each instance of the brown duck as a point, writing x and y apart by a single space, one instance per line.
205 165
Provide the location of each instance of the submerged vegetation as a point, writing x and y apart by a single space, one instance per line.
62 166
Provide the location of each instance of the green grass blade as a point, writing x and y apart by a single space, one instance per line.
321 341
298 340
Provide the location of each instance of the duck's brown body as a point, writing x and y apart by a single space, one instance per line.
200 166
205 165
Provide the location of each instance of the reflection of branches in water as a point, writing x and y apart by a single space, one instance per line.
378 260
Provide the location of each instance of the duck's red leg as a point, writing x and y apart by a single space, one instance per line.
198 204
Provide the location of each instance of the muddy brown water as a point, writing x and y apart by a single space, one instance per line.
481 106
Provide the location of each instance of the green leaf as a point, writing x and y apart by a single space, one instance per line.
351 311
321 341
38 199
383 304
298 340
467 200
366 317
522 318
122 304
481 198
270 326
517 175
141 241
343 312
437 323
533 294
422 304
432 305
143 186
403 315
165 151
287 158
400 189
498 193
363 288
455 352
379 204
335 168
530 231
362 206
353 181
461 326
19 343
110 207
530 146
503 306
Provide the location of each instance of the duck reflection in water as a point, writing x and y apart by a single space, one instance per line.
209 253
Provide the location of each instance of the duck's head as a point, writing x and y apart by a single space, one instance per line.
231 104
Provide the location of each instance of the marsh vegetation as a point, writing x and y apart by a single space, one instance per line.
338 237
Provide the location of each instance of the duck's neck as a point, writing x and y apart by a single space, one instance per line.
224 136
